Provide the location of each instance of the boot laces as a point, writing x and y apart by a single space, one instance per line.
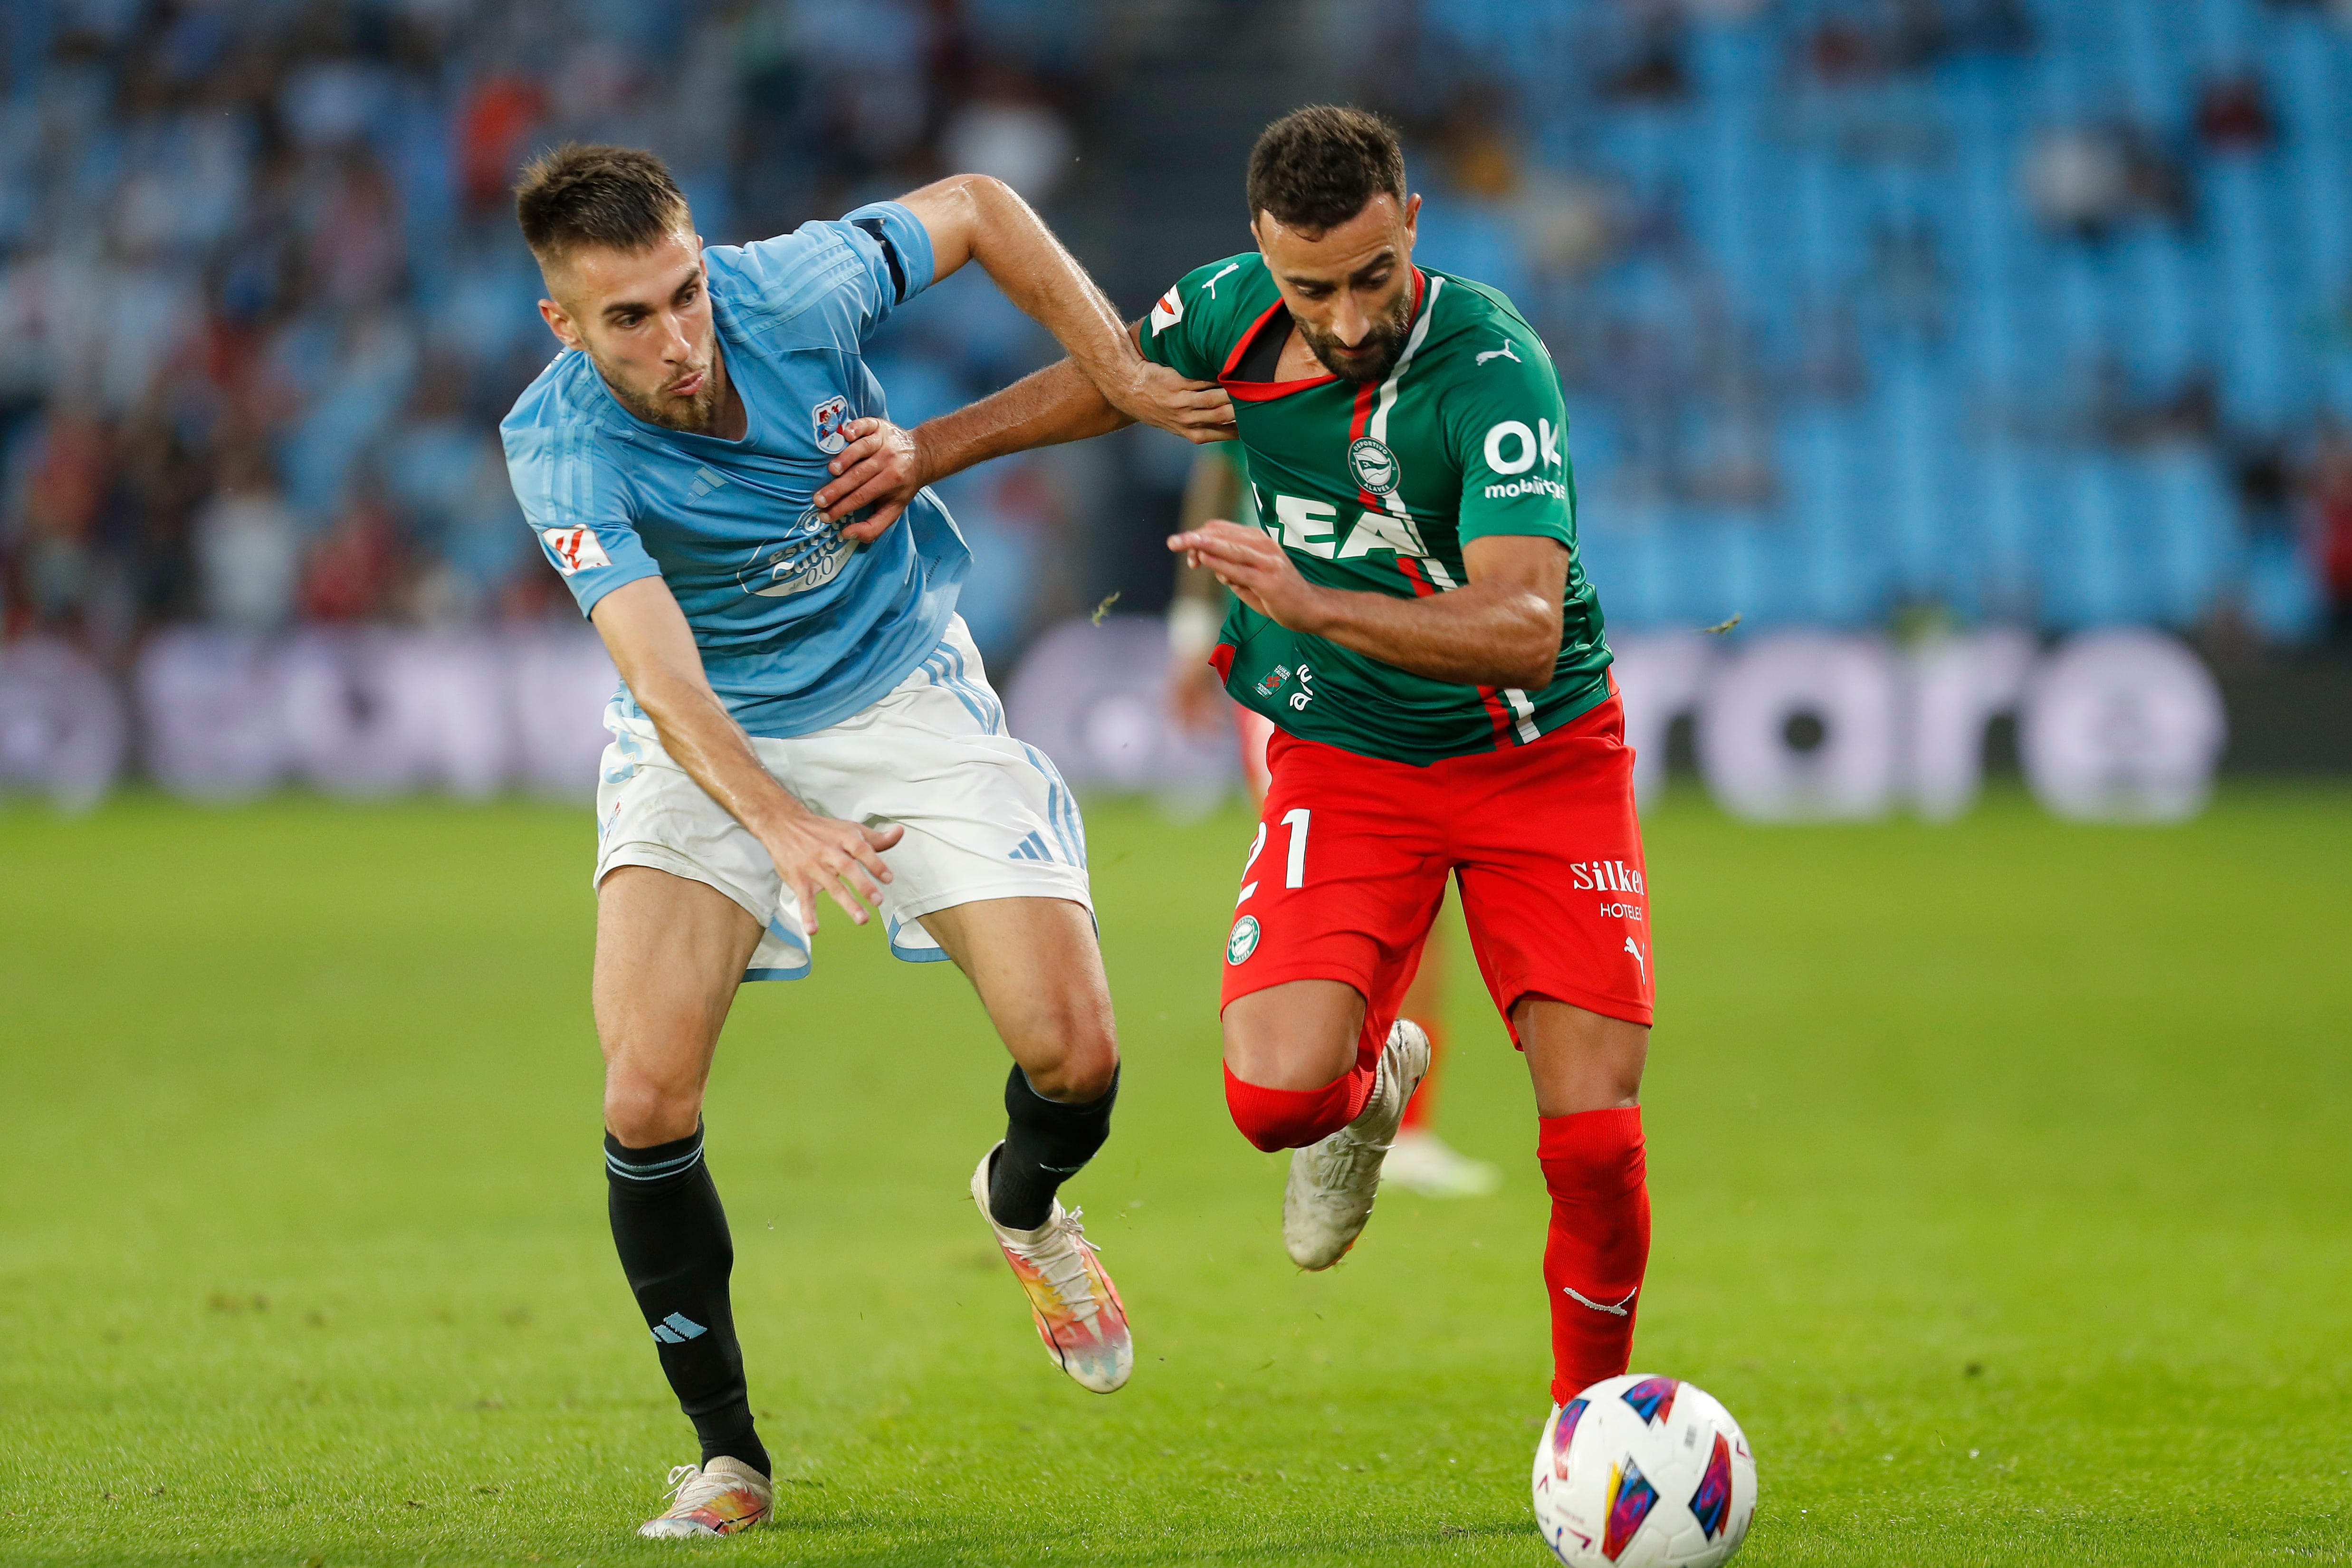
684 1494
1060 1257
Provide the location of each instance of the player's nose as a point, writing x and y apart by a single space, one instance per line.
1351 323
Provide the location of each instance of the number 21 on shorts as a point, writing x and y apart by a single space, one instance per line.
1294 872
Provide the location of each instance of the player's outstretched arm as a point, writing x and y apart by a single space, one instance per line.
1500 628
973 217
654 648
883 465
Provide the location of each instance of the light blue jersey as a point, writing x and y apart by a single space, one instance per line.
799 629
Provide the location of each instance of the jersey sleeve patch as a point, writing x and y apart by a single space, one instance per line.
1167 312
574 550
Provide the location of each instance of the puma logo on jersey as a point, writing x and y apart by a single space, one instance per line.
1502 353
1209 288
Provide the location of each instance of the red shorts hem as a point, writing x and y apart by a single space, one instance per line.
1624 1010
1356 979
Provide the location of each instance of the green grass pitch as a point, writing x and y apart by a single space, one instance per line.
2002 1172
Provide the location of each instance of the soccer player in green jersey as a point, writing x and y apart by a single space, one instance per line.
1412 617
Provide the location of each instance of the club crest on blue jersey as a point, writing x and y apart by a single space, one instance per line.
810 556
828 417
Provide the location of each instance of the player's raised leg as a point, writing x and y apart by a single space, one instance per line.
669 954
1036 967
1279 1042
1587 1069
1340 884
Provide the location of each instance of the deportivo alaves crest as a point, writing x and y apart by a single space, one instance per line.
1375 465
1243 942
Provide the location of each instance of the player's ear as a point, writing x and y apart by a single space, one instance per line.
1411 220
559 324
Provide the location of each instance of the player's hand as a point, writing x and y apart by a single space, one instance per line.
1258 571
1197 410
842 860
881 468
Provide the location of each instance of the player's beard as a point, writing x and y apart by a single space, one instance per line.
1373 358
695 415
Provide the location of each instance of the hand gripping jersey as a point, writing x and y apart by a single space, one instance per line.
798 627
1377 488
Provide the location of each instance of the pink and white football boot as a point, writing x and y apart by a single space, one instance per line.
721 1497
1078 1313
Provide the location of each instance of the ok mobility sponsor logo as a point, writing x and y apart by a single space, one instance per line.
1531 487
1512 449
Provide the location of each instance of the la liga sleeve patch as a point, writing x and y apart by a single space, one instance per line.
1167 312
574 549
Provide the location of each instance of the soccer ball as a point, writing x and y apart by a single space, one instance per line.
1644 1472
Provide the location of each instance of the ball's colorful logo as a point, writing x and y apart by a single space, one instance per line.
810 556
1375 465
1244 940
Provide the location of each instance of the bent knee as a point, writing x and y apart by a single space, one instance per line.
1079 1071
642 1112
1078 1079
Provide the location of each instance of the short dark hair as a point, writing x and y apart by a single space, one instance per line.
1316 168
615 196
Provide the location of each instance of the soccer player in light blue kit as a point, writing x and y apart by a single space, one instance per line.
802 712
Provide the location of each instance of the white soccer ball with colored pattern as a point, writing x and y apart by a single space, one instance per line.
1644 1472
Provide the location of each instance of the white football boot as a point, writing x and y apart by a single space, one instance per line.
1332 1183
721 1497
1435 1169
1077 1309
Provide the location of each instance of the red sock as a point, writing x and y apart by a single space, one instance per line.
1417 1109
1292 1117
1599 1242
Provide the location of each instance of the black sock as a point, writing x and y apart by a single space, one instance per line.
1045 1142
672 1237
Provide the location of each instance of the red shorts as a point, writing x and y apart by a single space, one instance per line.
1352 853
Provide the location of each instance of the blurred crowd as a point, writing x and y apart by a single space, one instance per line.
1780 245
264 301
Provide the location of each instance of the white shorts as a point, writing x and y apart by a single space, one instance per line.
987 817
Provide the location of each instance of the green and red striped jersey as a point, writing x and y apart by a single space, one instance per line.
1377 488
